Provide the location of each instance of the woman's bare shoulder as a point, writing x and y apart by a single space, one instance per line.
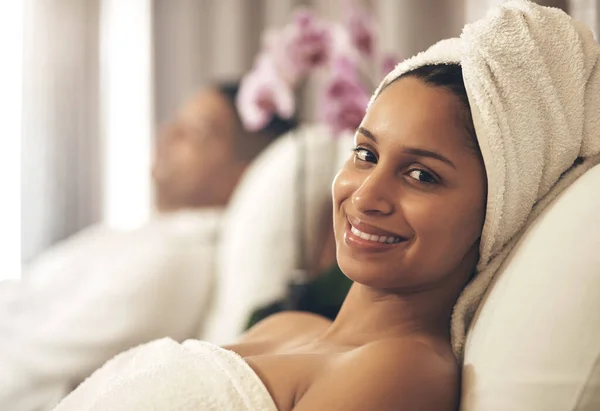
281 329
285 324
388 375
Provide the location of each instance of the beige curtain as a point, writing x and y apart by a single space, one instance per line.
587 11
60 165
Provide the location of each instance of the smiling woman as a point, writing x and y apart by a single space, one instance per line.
414 182
409 207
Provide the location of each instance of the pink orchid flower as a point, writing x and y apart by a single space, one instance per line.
361 28
344 100
262 93
301 46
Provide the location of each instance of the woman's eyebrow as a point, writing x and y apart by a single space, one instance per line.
367 133
427 153
410 150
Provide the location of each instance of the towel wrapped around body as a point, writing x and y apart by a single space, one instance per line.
166 375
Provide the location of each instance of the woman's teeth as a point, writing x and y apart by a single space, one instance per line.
375 238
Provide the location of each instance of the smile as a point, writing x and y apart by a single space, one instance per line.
373 237
368 238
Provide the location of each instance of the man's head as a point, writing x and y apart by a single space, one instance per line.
202 152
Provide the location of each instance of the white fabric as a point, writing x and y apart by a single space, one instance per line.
97 294
535 342
532 76
168 376
259 244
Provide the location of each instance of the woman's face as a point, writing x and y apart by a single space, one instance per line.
409 204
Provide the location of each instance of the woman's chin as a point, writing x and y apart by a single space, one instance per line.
367 274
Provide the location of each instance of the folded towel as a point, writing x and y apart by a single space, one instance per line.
532 76
165 375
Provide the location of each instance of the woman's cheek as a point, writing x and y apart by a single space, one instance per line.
458 223
429 218
344 184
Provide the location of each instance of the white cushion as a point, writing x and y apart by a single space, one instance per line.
535 342
259 245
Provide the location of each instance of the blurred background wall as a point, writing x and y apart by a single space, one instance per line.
99 76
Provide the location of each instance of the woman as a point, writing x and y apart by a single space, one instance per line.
409 207
462 146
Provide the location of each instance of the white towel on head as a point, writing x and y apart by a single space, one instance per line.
532 76
165 375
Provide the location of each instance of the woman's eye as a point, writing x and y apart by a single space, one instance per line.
422 176
365 155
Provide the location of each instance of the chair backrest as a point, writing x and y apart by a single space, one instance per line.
259 244
535 342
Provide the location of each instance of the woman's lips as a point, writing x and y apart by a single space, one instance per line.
359 239
370 230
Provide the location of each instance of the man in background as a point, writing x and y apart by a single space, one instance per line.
103 291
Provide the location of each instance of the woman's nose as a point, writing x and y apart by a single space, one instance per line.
372 196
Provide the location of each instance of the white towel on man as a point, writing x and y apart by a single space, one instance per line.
532 76
98 293
167 376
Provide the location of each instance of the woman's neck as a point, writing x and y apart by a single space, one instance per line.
368 315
